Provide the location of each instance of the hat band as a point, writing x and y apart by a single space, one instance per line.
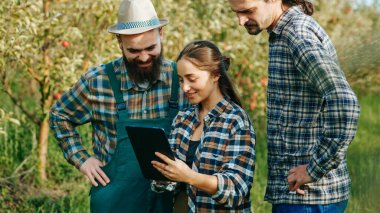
138 24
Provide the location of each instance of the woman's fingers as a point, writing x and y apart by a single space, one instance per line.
158 164
165 169
162 171
164 158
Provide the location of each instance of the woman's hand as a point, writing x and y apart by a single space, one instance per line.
175 170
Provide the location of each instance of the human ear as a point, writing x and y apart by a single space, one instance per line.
215 77
161 32
119 41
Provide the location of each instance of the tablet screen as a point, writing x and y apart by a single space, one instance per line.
145 142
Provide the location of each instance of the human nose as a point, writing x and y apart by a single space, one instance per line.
185 86
242 19
143 56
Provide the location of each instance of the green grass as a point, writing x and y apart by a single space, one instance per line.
67 190
364 157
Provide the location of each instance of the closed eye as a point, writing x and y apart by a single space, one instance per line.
247 11
150 48
134 51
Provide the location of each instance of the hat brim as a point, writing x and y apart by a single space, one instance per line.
113 29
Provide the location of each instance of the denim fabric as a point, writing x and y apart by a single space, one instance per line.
307 208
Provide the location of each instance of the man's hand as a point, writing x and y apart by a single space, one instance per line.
91 168
297 177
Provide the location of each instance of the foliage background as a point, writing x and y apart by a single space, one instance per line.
28 36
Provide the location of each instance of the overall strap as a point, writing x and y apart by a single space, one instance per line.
120 103
173 102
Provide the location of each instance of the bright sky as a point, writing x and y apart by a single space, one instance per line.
368 2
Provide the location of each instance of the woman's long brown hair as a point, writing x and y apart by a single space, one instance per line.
205 55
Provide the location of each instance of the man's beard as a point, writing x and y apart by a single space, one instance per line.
150 74
252 28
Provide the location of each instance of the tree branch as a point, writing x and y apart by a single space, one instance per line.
34 75
17 102
6 180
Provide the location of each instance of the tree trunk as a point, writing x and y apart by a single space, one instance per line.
42 148
46 100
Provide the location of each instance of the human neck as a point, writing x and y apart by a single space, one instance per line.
278 12
208 104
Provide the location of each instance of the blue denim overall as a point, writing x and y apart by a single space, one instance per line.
128 190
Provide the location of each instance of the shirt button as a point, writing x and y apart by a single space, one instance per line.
145 111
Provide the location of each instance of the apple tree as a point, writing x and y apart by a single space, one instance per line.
44 46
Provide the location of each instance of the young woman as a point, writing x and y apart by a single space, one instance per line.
214 140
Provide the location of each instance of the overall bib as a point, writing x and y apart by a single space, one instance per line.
128 190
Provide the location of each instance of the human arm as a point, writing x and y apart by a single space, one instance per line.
232 181
340 109
71 110
235 178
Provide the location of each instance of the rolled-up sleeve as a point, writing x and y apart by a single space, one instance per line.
236 175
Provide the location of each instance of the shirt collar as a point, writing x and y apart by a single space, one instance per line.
214 113
285 18
127 83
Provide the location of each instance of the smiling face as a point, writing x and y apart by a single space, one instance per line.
143 53
199 85
256 15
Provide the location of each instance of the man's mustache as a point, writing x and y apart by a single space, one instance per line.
251 24
144 62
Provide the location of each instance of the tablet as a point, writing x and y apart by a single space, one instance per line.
145 141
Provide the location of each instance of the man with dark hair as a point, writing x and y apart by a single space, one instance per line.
140 88
312 112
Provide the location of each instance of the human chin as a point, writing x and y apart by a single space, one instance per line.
253 30
192 98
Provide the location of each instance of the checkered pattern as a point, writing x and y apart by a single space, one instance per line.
138 24
227 150
91 100
312 112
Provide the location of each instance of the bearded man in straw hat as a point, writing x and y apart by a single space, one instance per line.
139 88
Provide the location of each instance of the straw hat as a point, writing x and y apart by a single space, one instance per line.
136 16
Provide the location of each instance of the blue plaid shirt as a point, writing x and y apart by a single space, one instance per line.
312 112
226 150
91 99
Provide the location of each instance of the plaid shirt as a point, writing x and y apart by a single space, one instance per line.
227 150
91 99
312 112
